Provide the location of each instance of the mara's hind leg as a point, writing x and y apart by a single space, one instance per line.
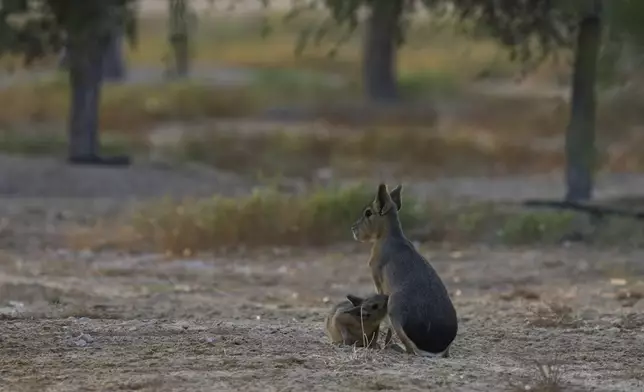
346 337
389 337
389 344
409 345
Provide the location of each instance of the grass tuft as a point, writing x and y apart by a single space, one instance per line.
543 226
265 218
548 378
54 142
554 315
428 83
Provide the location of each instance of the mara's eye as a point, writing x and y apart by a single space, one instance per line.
374 307
367 213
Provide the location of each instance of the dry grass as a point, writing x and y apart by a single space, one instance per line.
308 150
360 152
548 378
124 108
51 140
105 236
554 315
461 148
521 293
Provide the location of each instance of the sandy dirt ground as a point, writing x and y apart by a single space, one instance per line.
105 321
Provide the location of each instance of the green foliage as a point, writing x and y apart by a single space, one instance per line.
28 28
342 22
343 17
625 20
623 38
90 18
530 29
495 223
37 28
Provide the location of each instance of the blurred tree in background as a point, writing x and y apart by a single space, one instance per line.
181 23
87 30
531 30
535 29
622 54
384 27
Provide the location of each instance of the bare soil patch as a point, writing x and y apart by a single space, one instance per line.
255 322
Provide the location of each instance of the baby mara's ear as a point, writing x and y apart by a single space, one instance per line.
383 201
396 196
355 300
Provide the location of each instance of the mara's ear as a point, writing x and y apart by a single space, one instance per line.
396 196
383 201
355 300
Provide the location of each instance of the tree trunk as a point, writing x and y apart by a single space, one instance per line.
180 55
379 58
113 62
580 136
85 76
179 38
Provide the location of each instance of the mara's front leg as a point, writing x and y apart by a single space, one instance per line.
377 282
389 334
379 289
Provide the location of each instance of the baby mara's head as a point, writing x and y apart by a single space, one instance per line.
372 308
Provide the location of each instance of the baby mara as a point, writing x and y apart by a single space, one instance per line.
356 320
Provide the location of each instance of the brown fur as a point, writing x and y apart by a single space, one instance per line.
419 308
357 320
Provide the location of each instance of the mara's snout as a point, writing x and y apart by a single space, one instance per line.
354 232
